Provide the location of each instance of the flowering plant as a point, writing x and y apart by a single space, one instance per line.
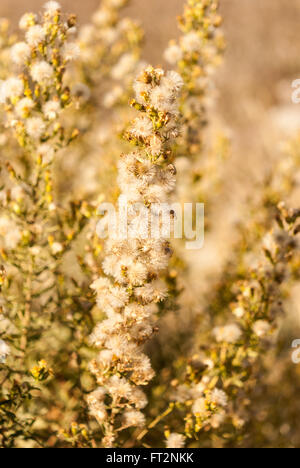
128 342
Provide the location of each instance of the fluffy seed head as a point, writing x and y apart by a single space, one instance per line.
47 152
11 88
173 54
42 72
219 397
51 109
20 53
71 51
134 418
191 42
52 7
261 328
35 35
24 107
142 127
27 20
35 127
228 334
175 440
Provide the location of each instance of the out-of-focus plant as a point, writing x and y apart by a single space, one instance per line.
218 382
255 294
7 39
44 308
244 310
110 51
197 54
102 79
